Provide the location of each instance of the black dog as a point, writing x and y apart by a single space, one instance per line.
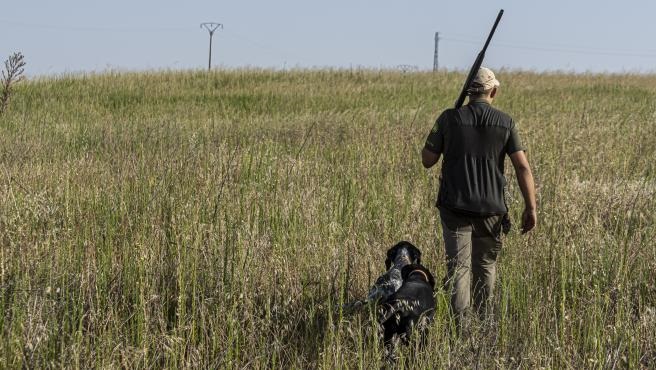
400 255
410 307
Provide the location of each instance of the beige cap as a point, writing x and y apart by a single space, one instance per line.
483 81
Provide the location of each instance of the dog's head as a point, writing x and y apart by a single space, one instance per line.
403 253
420 270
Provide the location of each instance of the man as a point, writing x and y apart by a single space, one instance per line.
474 141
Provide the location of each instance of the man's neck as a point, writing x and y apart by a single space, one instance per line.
480 99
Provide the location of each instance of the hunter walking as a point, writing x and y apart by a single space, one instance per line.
473 141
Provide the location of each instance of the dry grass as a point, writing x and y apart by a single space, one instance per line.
192 220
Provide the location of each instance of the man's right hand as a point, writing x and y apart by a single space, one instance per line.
529 219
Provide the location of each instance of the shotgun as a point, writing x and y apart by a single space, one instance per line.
477 64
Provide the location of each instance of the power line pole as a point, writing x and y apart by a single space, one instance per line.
437 40
211 27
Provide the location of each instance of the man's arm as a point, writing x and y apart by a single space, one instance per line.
434 142
527 187
428 158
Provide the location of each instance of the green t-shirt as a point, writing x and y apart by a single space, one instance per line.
474 141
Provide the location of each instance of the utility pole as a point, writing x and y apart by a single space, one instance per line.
211 27
437 40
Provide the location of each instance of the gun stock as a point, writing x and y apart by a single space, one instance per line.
477 64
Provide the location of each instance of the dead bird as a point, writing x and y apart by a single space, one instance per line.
402 254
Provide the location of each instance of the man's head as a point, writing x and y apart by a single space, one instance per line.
484 85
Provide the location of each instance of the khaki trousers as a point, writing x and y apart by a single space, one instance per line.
472 244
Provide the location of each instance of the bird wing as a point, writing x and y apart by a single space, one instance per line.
386 285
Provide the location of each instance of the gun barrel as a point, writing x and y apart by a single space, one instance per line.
477 63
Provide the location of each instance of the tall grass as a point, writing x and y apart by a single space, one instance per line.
220 220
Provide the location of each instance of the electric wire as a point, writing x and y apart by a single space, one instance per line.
561 49
449 38
61 27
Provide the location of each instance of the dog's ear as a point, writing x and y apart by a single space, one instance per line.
391 253
388 263
388 260
416 254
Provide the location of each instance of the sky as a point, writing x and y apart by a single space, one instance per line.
88 36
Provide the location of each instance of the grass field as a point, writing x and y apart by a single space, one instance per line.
219 220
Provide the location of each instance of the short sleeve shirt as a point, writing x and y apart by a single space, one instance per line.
474 141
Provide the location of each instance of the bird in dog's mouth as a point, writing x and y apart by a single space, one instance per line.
399 256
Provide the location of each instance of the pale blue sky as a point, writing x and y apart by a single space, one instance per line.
93 36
